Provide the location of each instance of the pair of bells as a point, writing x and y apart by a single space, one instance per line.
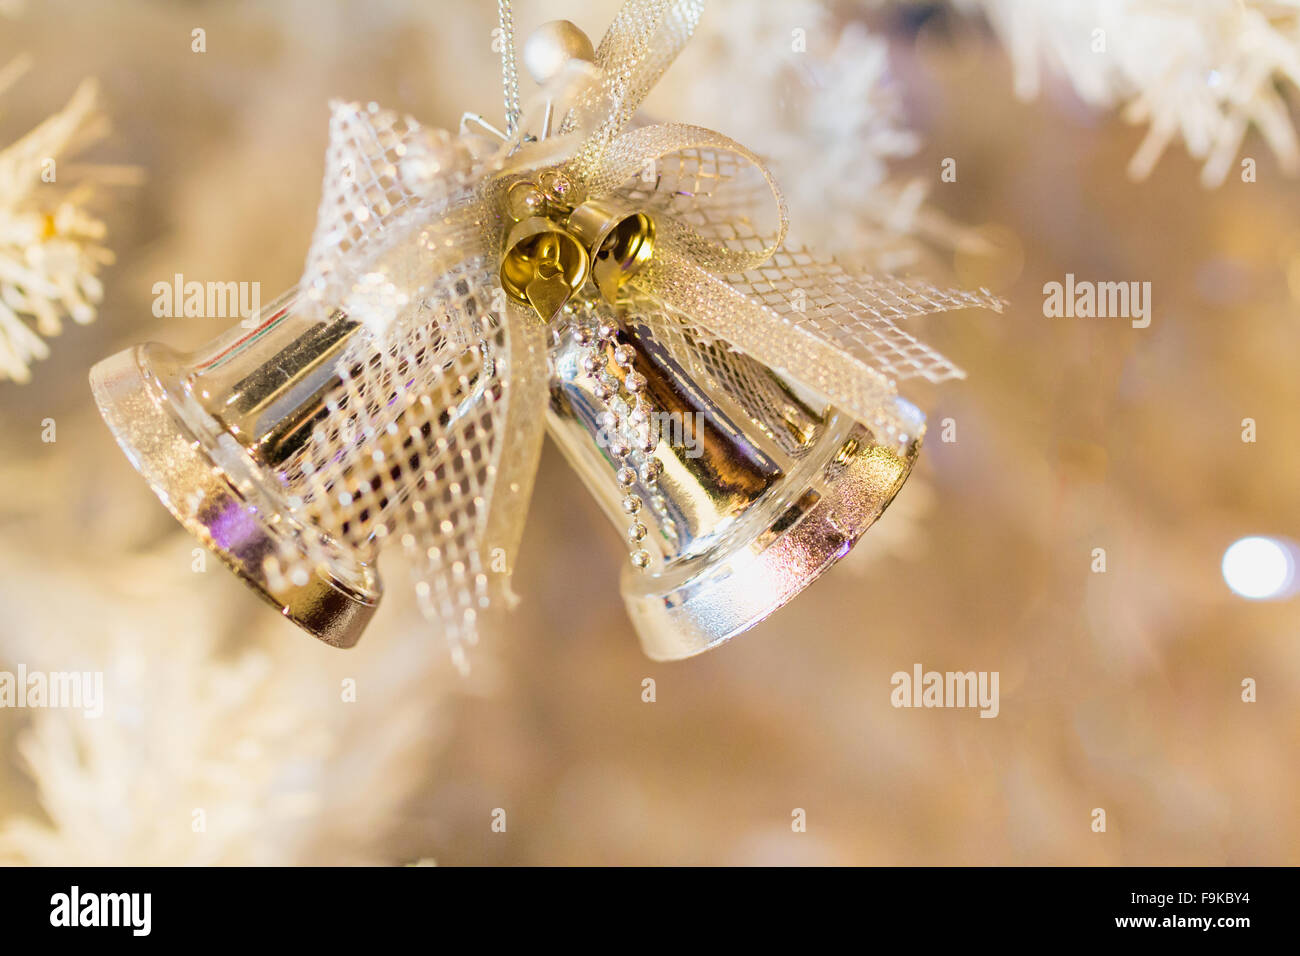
766 487
551 251
762 487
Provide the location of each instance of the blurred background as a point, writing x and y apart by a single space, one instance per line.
1119 690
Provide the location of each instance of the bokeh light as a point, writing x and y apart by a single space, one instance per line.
1260 568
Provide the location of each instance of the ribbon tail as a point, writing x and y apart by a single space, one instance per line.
818 325
711 305
859 314
638 48
515 456
432 439
462 527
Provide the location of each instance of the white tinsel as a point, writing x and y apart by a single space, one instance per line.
1204 71
224 739
50 252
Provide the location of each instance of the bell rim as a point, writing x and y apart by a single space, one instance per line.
151 426
677 618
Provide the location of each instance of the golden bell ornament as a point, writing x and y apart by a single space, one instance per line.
730 402
619 242
542 266
759 485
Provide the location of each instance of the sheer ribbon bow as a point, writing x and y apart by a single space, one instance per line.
435 436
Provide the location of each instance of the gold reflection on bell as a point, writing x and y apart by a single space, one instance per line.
619 242
542 266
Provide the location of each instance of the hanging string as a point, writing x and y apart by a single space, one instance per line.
509 71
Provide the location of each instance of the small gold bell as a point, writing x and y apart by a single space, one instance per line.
619 242
542 266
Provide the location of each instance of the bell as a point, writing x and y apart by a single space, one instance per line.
760 485
217 435
757 486
619 242
542 266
